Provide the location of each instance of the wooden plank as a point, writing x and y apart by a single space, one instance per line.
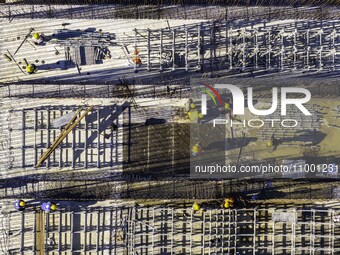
69 127
40 232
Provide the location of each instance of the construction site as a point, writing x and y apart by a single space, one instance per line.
153 127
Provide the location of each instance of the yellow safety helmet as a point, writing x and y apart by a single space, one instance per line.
226 105
200 115
30 68
197 148
36 36
196 207
270 144
193 106
53 207
226 204
22 203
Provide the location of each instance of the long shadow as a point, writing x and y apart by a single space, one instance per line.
107 116
230 143
301 135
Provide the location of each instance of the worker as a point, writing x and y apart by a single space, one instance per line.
272 143
37 38
269 144
31 68
227 106
48 207
20 205
228 203
196 206
196 149
193 114
136 59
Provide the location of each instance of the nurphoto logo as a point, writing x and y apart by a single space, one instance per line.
239 99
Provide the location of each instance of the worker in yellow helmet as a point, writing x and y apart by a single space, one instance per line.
20 205
272 144
53 207
37 38
196 149
48 207
193 114
269 144
31 68
196 206
228 203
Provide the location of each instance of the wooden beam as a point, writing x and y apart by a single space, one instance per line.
68 128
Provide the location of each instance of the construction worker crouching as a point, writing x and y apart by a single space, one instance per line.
228 203
37 38
20 205
269 144
272 144
227 106
196 206
197 149
31 68
48 207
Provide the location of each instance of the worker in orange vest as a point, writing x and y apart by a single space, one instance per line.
135 57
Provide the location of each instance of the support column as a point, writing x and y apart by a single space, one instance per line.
199 61
60 233
61 147
97 232
23 127
35 136
230 48
173 48
135 48
160 49
85 232
148 50
186 51
22 232
48 127
98 137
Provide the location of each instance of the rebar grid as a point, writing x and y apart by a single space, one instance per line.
160 230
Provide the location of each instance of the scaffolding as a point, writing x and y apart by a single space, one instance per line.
219 45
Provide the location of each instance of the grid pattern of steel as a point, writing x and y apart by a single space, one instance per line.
92 144
218 45
240 231
153 230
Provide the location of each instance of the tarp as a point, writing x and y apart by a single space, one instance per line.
63 120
